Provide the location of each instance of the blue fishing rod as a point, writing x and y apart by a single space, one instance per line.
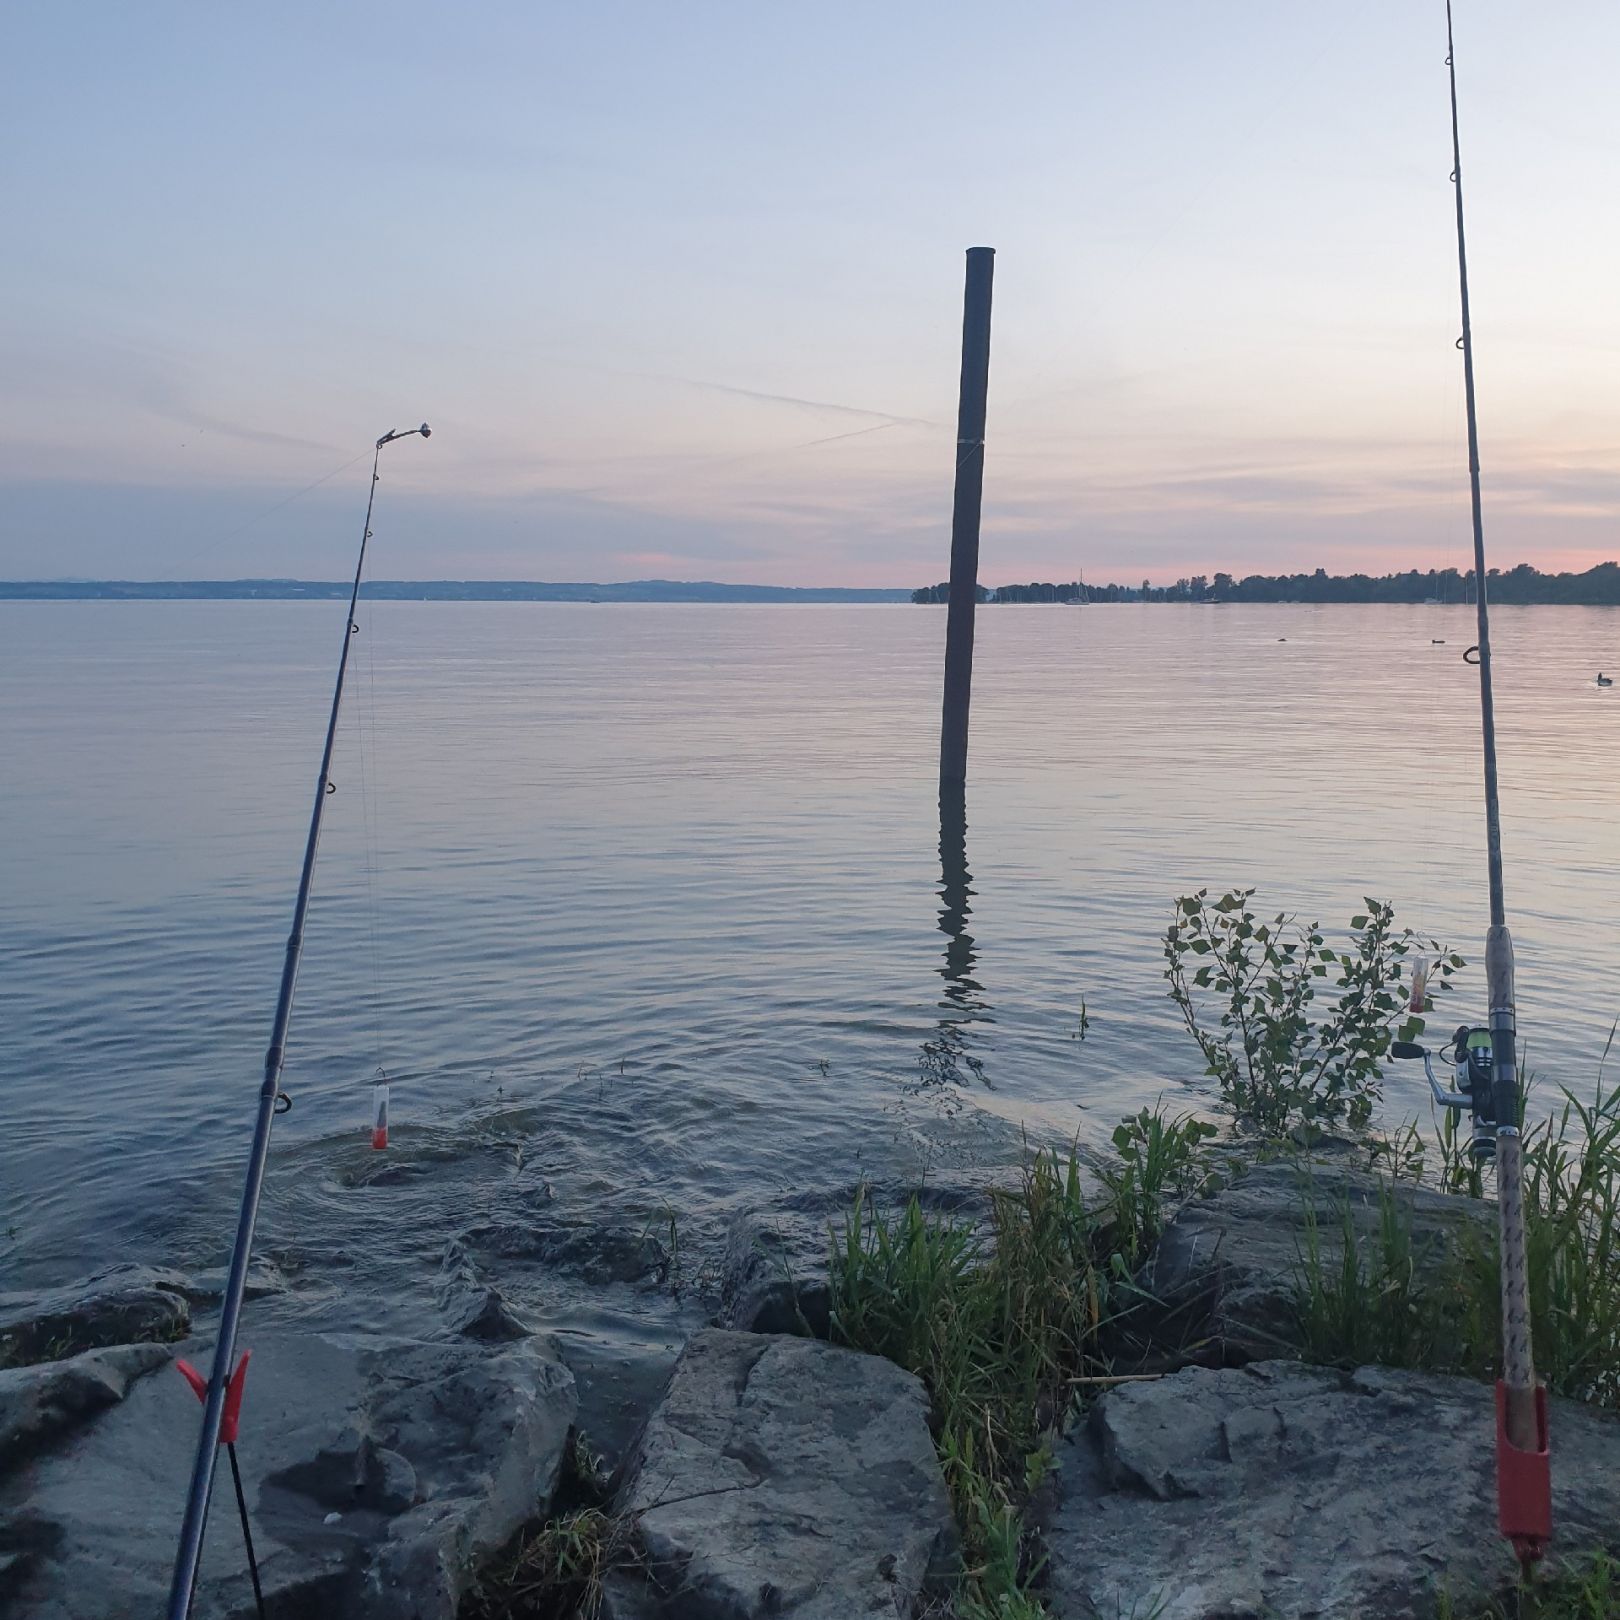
224 1390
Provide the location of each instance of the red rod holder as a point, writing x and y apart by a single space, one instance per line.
232 1418
1523 1483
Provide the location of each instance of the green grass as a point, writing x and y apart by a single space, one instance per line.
1377 1304
1371 1305
999 1324
1585 1588
555 1572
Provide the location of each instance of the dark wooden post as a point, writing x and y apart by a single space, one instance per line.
953 731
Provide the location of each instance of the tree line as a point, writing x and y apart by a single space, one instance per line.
1525 584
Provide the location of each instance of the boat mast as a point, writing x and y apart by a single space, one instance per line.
1523 1480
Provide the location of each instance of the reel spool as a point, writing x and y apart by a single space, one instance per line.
1473 1086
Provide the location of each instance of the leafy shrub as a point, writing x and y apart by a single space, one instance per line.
1247 990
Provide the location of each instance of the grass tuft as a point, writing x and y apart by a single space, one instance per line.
1585 1588
1003 1325
556 1571
1378 1303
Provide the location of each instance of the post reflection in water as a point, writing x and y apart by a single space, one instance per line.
948 1052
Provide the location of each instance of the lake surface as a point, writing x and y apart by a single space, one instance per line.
641 907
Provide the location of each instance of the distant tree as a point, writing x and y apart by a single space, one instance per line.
1521 584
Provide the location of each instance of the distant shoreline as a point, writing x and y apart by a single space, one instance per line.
426 590
1599 588
1523 585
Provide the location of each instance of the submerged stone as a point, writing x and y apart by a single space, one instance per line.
599 1255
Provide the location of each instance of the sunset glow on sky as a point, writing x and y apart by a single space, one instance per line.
679 287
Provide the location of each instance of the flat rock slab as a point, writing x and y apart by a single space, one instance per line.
121 1305
1295 1492
377 1474
41 1402
1227 1266
783 1476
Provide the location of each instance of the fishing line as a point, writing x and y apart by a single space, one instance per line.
258 517
1433 796
365 729
713 463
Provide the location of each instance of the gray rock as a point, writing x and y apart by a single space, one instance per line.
775 1272
432 1456
1294 1492
40 1402
123 1305
782 1476
774 1278
598 1255
484 1314
1227 1267
207 1288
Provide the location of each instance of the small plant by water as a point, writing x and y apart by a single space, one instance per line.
1247 988
1156 1158
556 1571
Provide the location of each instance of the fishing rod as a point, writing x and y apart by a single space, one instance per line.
224 1394
1523 1465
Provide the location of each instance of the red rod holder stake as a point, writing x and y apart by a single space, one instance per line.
232 1418
1523 1482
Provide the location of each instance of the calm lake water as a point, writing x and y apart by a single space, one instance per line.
642 907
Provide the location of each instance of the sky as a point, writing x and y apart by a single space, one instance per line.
679 287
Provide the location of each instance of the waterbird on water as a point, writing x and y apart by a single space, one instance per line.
1605 680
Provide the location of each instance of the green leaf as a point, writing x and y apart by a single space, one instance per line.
1359 921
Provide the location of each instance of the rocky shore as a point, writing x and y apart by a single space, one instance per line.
760 1470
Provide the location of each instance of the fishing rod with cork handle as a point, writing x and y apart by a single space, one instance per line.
223 1398
1523 1464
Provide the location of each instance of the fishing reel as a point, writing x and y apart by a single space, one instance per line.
1470 1057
